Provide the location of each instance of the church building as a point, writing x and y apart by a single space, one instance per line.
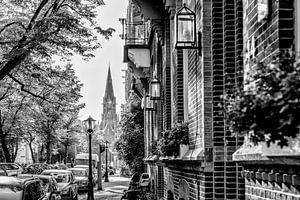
109 119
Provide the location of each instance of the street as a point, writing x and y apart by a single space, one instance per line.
111 190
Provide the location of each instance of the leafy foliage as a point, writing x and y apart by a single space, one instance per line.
268 109
169 143
130 145
43 29
42 117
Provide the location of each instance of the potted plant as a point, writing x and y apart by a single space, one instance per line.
169 144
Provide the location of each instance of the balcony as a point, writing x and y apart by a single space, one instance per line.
136 49
136 33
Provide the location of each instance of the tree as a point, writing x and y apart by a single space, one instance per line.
43 114
12 107
268 109
130 145
51 117
68 135
41 29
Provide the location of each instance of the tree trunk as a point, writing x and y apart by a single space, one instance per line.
4 147
31 151
16 151
11 64
41 153
48 152
66 154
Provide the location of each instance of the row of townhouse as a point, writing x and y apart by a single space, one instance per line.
184 82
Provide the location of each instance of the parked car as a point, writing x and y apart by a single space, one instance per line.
144 180
49 185
12 169
36 168
81 177
134 182
95 172
15 188
3 172
60 166
69 165
66 183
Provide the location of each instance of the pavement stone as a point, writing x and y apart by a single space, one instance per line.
112 190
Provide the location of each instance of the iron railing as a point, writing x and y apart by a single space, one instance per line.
136 33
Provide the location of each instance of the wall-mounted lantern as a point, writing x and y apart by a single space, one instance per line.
155 89
185 34
149 104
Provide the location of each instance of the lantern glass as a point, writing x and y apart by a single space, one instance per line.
186 25
155 89
149 103
89 124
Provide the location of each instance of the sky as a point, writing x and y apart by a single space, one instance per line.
93 73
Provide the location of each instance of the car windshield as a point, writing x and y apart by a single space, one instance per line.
79 172
10 192
85 162
60 178
144 176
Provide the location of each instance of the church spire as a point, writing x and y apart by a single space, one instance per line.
109 91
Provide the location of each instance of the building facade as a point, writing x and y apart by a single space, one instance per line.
270 27
231 38
192 84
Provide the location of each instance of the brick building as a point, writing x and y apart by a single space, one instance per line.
269 28
192 82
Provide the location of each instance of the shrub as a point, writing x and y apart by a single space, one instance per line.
169 143
269 108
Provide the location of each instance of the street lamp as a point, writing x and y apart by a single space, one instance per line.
89 123
101 149
106 163
155 89
186 30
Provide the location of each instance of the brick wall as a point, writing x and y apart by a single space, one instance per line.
200 184
166 75
195 96
177 86
271 35
226 62
216 71
272 182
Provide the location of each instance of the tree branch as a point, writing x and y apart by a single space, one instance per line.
27 91
8 42
36 14
10 24
4 94
79 13
15 115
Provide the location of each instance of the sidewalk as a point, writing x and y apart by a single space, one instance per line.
113 189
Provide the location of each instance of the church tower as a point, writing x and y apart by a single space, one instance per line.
109 121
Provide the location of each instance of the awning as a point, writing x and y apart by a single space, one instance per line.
139 56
